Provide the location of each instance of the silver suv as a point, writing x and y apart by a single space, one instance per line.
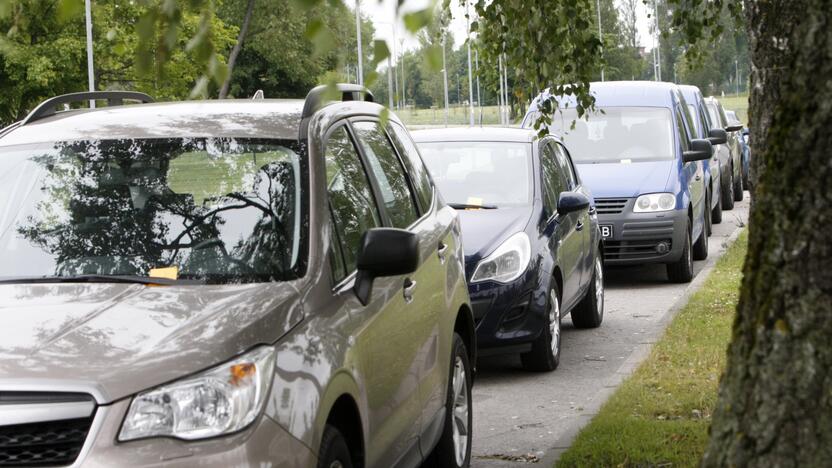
228 283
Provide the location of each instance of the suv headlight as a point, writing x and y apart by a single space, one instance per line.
506 263
218 401
654 202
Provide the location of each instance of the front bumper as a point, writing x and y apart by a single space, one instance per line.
264 443
640 238
508 317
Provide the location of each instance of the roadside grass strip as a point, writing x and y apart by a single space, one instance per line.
659 416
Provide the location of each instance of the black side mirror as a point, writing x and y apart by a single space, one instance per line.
384 252
570 202
717 136
733 128
699 150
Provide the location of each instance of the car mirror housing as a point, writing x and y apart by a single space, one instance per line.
700 149
569 202
733 128
717 136
384 252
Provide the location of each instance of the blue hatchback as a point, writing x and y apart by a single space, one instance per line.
637 155
530 234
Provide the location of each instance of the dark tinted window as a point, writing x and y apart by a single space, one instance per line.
351 201
554 181
566 166
418 172
683 131
388 171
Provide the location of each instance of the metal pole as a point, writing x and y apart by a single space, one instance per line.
600 35
500 100
505 88
90 68
470 69
360 71
396 70
737 65
445 78
390 81
658 43
403 73
477 65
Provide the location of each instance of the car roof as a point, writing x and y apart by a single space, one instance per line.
690 91
623 94
262 118
495 134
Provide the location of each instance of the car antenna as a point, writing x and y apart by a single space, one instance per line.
258 95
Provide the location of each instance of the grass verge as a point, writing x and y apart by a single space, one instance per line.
660 415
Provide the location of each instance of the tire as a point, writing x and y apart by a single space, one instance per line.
700 248
681 271
448 452
707 213
545 353
334 450
590 311
716 213
739 194
728 192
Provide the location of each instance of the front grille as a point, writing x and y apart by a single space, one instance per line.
634 250
44 443
610 205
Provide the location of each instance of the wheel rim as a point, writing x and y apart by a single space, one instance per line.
599 287
690 253
336 464
554 322
461 410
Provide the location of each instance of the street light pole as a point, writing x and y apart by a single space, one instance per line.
737 66
402 72
658 42
445 78
600 35
477 66
90 68
360 72
390 81
470 69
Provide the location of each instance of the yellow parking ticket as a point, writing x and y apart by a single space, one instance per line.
474 201
165 272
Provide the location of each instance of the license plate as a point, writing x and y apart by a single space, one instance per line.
606 231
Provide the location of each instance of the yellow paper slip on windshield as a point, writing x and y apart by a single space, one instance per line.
166 272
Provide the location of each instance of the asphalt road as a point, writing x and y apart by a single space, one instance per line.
522 417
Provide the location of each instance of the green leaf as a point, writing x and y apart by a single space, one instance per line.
321 37
380 51
416 20
69 9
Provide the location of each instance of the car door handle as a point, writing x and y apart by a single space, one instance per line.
698 177
579 226
442 251
409 287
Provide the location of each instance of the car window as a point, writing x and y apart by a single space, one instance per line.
351 200
566 166
716 119
388 171
698 128
415 166
554 181
684 136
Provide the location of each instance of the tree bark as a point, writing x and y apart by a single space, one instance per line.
235 51
775 398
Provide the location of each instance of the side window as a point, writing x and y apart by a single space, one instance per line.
388 171
351 201
417 169
566 166
683 130
554 181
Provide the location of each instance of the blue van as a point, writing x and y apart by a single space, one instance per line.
637 155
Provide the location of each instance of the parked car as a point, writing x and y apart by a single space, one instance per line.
530 234
637 155
732 157
229 283
702 128
733 120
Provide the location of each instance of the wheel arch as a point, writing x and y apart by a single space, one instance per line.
464 326
346 417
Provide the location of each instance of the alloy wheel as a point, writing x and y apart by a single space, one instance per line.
461 411
554 322
336 464
599 287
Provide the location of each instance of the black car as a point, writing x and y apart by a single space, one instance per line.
530 234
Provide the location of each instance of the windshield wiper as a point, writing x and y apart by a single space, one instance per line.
467 206
97 279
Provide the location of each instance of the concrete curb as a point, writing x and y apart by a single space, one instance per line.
636 357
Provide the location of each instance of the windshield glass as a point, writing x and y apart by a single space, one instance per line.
476 173
215 209
714 113
697 125
616 134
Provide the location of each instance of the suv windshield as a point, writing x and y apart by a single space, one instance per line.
615 134
221 210
475 173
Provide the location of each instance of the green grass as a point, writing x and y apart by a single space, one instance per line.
738 104
660 415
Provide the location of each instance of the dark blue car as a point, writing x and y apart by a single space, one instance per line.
637 154
530 234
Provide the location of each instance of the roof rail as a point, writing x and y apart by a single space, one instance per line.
114 98
318 97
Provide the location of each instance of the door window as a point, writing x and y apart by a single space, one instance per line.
566 168
554 181
683 130
389 173
416 168
351 201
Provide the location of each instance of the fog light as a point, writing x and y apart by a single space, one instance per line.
662 247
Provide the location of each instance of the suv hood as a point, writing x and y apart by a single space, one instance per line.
113 340
608 180
484 230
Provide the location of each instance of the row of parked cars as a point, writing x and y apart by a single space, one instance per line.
305 282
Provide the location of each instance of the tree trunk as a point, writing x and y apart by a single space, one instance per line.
775 398
235 51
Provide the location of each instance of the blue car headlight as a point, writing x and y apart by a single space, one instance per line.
655 202
507 262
